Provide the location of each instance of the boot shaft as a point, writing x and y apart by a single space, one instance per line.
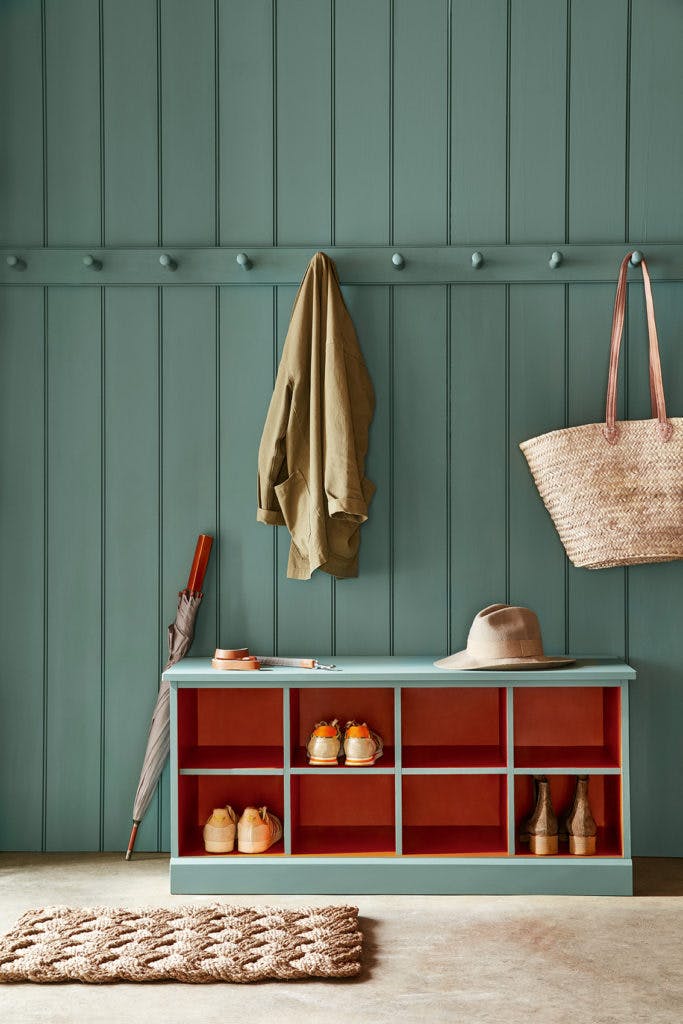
580 820
543 821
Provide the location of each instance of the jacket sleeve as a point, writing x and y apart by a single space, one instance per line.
349 404
272 462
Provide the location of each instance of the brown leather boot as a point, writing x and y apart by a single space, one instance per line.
581 825
542 825
524 827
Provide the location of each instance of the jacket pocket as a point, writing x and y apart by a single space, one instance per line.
294 499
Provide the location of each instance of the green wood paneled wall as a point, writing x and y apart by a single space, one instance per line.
130 416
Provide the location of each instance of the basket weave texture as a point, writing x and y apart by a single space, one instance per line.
190 944
612 504
614 490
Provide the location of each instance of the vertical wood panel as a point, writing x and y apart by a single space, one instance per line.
478 113
131 545
363 605
420 121
130 122
245 91
74 611
420 474
667 301
73 121
597 605
596 599
597 141
537 120
189 433
188 116
21 556
362 215
656 140
246 547
537 400
655 602
304 207
478 426
21 123
656 652
362 81
189 449
304 607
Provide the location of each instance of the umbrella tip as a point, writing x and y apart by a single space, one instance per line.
131 841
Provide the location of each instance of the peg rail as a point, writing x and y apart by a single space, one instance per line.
283 265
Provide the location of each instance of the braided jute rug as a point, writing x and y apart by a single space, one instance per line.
191 944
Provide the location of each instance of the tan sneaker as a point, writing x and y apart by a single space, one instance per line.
362 746
257 830
219 831
324 743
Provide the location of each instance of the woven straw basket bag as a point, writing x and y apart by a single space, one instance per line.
615 490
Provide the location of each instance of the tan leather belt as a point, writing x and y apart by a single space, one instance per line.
239 659
231 655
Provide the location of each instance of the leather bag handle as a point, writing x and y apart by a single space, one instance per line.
657 400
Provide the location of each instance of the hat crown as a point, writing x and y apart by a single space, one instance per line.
503 636
505 631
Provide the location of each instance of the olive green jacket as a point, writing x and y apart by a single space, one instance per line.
312 456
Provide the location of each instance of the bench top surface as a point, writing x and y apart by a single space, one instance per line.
398 669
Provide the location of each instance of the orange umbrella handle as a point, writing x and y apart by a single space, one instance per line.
199 563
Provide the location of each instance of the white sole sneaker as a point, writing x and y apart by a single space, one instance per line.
324 750
219 832
219 847
362 751
256 834
260 846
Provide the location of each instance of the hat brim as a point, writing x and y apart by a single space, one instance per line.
463 660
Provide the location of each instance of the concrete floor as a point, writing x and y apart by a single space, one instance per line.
456 960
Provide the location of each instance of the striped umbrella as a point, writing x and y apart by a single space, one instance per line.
180 634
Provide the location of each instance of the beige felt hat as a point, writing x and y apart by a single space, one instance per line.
503 636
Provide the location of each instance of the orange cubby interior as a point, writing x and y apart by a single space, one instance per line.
343 814
456 815
453 728
373 706
198 795
604 795
229 728
567 727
